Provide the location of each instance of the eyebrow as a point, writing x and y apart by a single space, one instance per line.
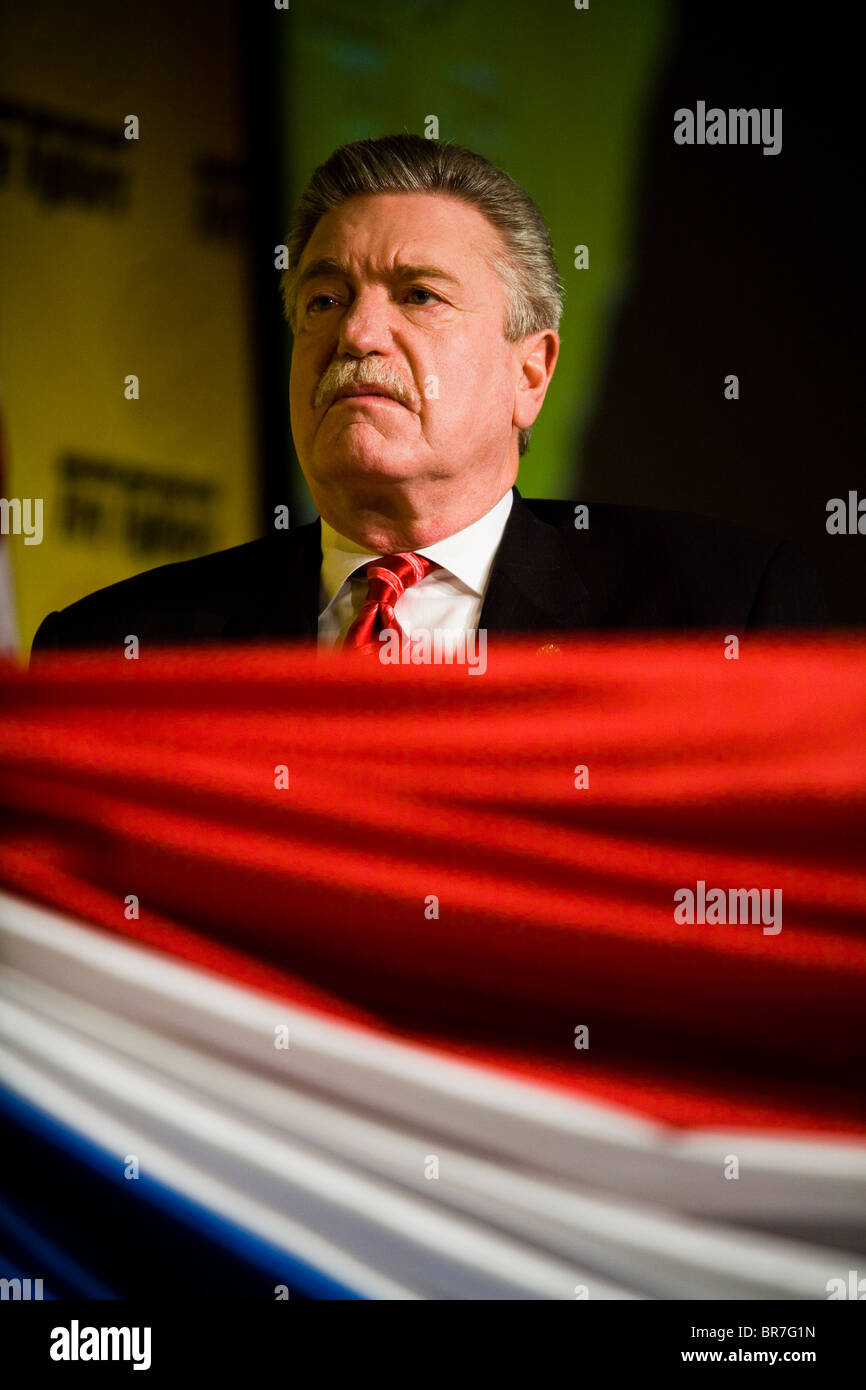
328 265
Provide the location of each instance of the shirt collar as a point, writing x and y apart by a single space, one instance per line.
467 554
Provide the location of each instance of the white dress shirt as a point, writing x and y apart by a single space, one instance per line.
448 598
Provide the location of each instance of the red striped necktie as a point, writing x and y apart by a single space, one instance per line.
387 578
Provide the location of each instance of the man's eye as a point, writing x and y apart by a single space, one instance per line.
417 289
428 295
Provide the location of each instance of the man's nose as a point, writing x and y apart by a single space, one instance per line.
365 326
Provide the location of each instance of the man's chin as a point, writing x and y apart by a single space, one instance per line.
365 460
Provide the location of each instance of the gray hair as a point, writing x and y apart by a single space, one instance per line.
411 164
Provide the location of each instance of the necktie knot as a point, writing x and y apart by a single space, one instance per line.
388 578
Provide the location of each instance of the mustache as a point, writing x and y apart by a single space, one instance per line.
366 373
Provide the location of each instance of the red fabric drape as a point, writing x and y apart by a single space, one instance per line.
156 777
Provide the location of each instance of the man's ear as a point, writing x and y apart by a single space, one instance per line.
537 356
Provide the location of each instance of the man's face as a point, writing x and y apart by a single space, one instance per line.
412 306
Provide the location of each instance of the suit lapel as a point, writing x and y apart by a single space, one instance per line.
534 585
282 597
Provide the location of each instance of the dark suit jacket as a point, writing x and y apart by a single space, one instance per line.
632 569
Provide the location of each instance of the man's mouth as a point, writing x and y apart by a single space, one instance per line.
356 389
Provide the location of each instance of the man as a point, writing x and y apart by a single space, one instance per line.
425 303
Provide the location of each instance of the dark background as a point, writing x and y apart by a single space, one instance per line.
751 266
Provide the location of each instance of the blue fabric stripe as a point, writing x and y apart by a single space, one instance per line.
277 1263
47 1256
